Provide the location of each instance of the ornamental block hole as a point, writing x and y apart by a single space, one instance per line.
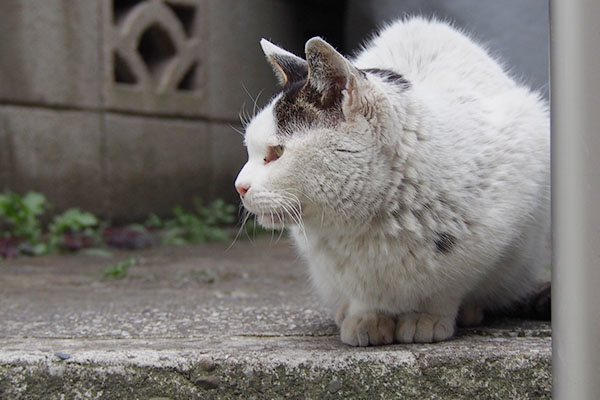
189 81
122 73
156 48
186 15
122 7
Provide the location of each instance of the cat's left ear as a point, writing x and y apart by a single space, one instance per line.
332 75
288 67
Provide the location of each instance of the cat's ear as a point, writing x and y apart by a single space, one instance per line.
287 66
332 75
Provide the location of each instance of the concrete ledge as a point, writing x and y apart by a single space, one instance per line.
275 367
204 322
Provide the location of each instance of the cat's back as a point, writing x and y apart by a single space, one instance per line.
434 53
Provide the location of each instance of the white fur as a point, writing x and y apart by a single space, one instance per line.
464 151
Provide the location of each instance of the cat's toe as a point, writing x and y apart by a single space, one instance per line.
368 329
340 315
423 328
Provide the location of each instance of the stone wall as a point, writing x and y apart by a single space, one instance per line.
126 107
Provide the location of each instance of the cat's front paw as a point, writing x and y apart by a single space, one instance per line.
367 329
423 328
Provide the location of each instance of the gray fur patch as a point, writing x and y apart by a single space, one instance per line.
445 242
389 76
303 106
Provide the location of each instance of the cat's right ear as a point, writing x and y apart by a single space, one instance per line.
288 67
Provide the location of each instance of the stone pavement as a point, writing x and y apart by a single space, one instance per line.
203 322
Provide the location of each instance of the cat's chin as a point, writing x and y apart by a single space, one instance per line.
271 221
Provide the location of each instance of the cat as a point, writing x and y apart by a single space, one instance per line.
414 178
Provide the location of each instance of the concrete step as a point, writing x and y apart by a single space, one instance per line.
204 322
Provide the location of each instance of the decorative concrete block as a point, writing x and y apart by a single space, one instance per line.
49 52
154 164
154 54
192 58
57 153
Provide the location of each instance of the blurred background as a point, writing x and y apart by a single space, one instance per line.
128 107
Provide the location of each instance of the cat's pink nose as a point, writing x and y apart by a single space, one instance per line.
242 189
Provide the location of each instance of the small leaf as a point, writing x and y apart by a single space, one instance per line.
40 249
119 270
35 203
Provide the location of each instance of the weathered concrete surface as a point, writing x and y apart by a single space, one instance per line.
206 322
55 152
117 166
153 164
50 52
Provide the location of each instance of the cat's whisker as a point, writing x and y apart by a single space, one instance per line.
256 103
243 116
254 228
272 226
239 232
292 206
286 207
282 218
246 230
254 99
296 215
290 211
237 130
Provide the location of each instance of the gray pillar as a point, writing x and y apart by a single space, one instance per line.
575 94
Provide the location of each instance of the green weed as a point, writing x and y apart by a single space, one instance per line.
19 216
21 231
79 225
119 270
200 226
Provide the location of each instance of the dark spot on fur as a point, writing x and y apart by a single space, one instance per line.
445 242
418 214
398 212
301 105
389 76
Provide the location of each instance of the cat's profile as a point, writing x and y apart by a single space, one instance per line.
414 179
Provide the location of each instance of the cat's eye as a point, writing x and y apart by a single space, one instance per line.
273 153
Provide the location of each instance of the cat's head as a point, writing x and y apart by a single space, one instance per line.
317 149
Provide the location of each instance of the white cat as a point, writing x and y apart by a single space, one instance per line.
414 179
